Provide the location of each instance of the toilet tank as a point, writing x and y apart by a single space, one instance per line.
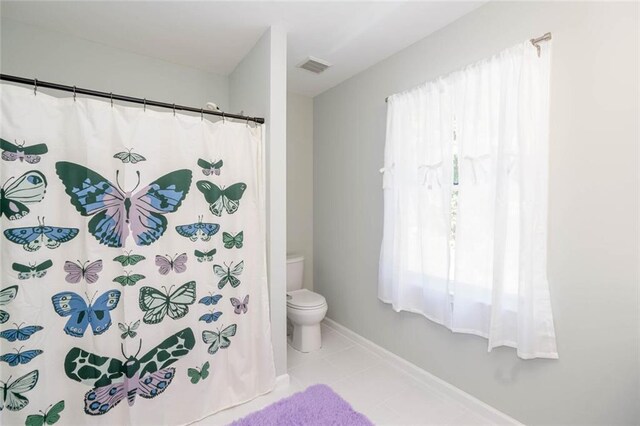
295 271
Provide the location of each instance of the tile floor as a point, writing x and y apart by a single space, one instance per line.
373 386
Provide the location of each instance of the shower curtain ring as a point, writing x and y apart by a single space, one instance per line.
35 86
111 96
174 110
223 121
201 114
74 93
144 106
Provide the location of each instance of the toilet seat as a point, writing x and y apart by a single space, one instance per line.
305 300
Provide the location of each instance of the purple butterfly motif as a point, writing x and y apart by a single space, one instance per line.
210 167
78 271
178 263
100 400
117 213
31 154
240 307
112 380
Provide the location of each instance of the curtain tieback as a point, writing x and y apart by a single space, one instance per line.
431 175
387 176
479 167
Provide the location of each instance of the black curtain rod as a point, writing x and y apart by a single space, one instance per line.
77 90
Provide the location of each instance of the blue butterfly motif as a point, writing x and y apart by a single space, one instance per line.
20 357
20 333
211 299
202 230
117 213
33 237
97 314
210 317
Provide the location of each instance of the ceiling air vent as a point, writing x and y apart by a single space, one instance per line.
314 65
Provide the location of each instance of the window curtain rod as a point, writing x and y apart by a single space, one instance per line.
535 41
112 96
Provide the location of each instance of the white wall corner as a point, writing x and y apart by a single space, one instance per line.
258 86
276 195
277 182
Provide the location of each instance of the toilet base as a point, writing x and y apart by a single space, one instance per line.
306 338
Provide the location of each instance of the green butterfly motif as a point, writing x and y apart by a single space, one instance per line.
231 241
128 278
222 199
220 339
129 330
32 270
117 214
156 304
49 417
17 193
113 380
6 296
228 275
198 374
210 167
205 256
129 259
31 154
11 394
129 156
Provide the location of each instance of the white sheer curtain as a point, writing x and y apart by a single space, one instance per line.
465 199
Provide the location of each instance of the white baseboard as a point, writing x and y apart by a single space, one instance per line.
490 413
282 381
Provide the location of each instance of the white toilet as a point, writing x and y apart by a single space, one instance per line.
305 309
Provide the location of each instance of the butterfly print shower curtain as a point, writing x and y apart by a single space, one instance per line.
127 266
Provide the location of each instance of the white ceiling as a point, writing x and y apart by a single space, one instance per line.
215 36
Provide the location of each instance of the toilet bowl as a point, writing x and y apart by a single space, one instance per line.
305 309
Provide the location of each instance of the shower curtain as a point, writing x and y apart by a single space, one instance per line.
133 271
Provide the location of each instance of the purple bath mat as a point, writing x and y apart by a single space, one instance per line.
317 405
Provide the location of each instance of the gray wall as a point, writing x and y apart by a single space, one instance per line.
593 212
258 85
32 52
300 181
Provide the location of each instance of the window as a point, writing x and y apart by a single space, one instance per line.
465 181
